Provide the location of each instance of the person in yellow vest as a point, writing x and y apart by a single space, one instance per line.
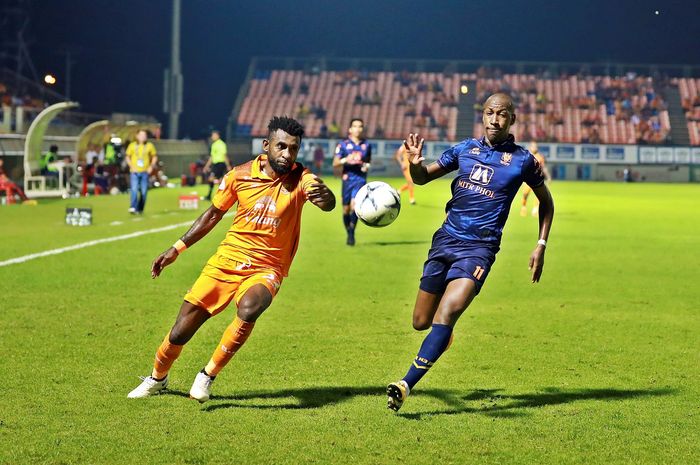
218 165
142 160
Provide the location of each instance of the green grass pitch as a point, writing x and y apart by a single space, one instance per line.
597 364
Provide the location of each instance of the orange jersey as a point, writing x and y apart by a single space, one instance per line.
265 230
539 158
402 158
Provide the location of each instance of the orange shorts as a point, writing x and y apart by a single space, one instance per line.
223 280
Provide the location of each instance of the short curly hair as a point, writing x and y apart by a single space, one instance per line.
287 124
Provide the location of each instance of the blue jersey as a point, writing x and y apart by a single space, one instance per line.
486 183
356 155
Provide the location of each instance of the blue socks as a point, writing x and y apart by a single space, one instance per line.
433 346
350 220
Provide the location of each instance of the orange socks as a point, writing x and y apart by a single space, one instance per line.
165 356
234 337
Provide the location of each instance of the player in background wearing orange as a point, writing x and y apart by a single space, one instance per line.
251 261
404 163
534 150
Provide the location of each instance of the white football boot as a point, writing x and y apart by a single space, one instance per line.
148 387
201 388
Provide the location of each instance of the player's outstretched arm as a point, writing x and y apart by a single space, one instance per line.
546 217
420 173
198 230
320 195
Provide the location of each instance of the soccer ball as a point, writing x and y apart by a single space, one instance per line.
377 204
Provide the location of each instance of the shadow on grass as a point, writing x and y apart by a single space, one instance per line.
491 402
389 243
303 398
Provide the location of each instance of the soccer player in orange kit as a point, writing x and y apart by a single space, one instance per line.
535 151
251 261
402 158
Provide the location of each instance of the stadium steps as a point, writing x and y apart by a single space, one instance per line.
465 112
679 127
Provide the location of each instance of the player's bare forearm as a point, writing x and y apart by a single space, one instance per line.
198 230
419 174
424 174
546 218
546 210
203 225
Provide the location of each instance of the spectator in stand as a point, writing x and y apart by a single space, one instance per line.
286 88
379 132
334 130
323 130
320 112
302 111
304 88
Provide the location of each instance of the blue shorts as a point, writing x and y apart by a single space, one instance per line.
351 185
450 258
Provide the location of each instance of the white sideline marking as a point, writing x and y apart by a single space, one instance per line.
82 245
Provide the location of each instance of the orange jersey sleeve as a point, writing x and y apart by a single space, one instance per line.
226 195
308 179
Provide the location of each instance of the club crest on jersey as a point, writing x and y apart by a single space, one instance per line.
481 174
506 158
348 146
475 151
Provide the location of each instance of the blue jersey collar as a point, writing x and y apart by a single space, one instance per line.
507 145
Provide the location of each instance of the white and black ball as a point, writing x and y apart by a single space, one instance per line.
377 204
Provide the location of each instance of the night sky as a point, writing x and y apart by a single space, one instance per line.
122 47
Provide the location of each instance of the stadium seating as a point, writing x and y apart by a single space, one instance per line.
580 109
690 99
384 101
567 108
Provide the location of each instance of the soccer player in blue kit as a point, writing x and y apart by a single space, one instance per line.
490 171
354 155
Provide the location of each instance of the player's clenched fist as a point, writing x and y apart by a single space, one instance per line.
320 195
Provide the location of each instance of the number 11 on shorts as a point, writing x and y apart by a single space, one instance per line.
478 272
